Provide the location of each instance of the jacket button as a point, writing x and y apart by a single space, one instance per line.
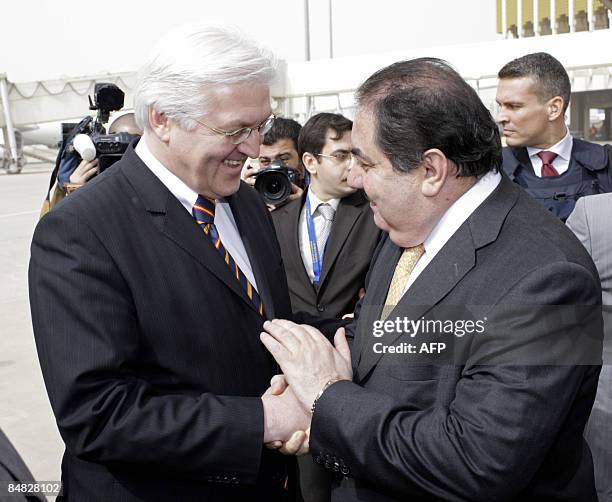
321 307
345 470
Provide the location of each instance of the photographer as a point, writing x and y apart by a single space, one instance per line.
86 149
279 148
71 178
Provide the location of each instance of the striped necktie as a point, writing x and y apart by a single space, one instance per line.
204 213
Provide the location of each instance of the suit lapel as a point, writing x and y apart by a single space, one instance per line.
456 258
349 210
247 228
440 276
171 218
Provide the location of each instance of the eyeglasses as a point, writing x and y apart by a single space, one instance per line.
339 157
240 135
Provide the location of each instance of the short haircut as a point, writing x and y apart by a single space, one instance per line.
549 75
422 104
283 129
125 123
189 63
312 135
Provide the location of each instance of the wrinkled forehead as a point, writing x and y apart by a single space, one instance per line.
238 105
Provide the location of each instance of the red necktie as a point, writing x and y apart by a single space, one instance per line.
204 213
547 160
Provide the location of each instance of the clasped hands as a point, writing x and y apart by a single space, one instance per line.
308 361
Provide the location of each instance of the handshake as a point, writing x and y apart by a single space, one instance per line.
310 364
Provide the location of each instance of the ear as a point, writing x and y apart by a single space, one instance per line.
160 124
555 108
310 163
436 169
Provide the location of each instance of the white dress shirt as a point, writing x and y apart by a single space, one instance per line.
224 219
318 221
452 219
563 149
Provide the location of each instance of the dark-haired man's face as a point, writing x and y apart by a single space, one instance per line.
524 116
397 200
283 150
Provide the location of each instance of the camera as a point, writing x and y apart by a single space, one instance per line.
274 182
90 140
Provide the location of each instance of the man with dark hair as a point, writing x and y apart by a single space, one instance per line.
471 365
533 95
280 145
327 239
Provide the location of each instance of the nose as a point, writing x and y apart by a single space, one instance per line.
355 175
501 117
250 146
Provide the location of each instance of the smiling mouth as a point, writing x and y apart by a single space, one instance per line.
233 163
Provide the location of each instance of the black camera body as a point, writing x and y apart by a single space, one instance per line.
110 147
274 182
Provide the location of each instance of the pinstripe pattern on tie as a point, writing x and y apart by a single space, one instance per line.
204 213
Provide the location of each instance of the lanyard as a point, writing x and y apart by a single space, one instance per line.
317 259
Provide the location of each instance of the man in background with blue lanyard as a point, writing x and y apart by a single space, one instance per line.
327 239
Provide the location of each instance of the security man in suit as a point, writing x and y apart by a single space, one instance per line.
472 364
149 287
327 237
542 156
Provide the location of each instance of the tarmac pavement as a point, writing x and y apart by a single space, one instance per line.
25 412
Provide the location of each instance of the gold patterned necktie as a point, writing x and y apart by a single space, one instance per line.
404 267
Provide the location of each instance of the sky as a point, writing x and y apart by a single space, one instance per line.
48 39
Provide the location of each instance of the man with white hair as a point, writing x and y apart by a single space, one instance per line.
149 288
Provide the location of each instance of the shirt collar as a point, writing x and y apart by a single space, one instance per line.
460 211
563 148
315 202
186 196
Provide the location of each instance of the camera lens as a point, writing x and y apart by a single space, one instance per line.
274 186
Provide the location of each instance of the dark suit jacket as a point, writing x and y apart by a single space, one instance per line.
149 346
589 162
13 470
500 414
348 254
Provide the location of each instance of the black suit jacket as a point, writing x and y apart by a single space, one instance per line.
149 346
499 415
348 254
13 470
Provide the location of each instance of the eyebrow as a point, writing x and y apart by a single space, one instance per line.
358 153
239 124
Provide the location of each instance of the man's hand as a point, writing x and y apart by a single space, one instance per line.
249 173
306 357
298 442
85 170
283 415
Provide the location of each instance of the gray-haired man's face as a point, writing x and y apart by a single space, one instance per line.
210 163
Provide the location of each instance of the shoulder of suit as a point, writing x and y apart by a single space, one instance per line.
282 212
590 155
